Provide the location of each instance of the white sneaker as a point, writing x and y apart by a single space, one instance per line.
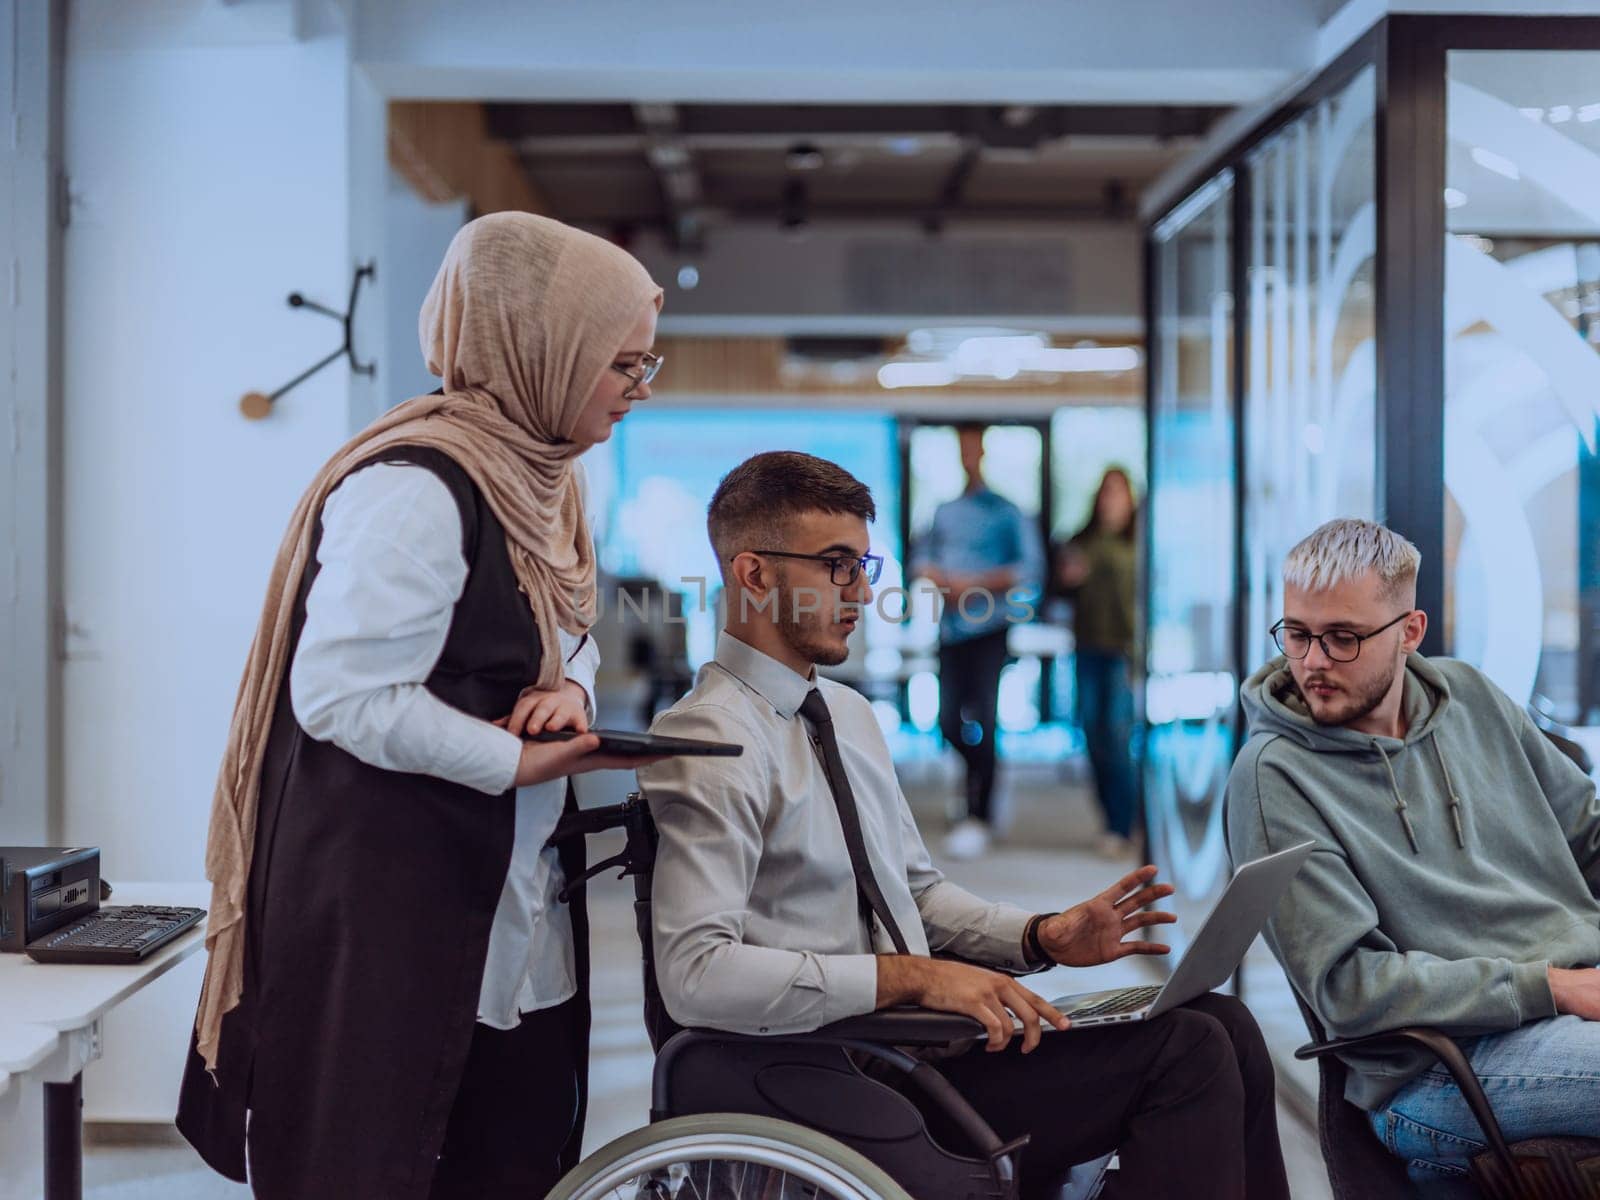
968 839
1115 847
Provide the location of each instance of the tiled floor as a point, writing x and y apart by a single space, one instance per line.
1043 863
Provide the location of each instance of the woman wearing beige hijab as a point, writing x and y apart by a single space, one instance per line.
394 995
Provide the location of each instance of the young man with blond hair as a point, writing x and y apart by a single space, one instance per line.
1457 864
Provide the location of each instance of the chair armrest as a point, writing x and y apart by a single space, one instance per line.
901 1026
1448 1053
1314 1050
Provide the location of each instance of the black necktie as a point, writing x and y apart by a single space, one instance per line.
815 710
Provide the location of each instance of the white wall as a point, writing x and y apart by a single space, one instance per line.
416 235
31 52
208 179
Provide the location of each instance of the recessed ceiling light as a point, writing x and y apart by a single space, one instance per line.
916 374
1083 358
688 277
996 356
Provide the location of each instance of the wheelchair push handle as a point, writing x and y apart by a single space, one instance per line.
637 856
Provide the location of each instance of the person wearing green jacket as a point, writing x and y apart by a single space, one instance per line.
1097 570
1456 872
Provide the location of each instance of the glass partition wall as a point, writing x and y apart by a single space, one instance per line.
1522 374
1382 300
1308 427
1189 649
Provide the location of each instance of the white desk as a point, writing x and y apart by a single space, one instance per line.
24 1049
50 1029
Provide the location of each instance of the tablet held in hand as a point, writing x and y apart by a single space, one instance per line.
643 745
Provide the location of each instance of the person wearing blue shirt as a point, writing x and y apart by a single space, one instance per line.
987 559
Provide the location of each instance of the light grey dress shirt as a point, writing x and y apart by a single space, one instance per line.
377 618
758 928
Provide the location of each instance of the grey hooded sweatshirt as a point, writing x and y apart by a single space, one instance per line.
1451 868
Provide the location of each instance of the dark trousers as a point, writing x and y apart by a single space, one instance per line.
969 690
1105 710
1187 1100
516 1126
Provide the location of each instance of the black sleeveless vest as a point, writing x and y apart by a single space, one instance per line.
371 898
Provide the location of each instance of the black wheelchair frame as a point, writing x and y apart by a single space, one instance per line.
831 1080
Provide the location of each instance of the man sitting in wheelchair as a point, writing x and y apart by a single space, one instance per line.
792 889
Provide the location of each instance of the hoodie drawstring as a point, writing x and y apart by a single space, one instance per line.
1399 800
1400 803
1449 786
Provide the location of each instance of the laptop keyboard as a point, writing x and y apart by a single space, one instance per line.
1119 1002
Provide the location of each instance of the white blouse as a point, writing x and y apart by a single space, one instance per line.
377 618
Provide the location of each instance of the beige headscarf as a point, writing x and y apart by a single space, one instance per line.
522 319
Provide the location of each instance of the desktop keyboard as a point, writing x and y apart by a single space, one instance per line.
1123 1001
119 935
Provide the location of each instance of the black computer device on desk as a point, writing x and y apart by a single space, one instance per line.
50 910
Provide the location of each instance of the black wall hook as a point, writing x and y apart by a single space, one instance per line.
256 405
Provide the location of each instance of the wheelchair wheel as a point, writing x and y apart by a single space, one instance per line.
726 1156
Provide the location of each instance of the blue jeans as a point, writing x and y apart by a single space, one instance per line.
1105 710
1542 1080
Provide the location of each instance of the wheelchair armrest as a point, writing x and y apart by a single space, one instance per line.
1449 1054
904 1026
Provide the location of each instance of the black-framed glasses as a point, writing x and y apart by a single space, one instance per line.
1340 645
850 568
649 368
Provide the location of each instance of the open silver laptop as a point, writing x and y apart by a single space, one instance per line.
1232 925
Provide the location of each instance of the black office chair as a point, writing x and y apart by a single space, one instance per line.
851 1080
1360 1167
1358 1164
1561 738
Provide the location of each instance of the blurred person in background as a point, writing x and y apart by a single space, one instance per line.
1096 569
978 551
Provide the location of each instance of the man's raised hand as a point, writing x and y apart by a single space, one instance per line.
1093 932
